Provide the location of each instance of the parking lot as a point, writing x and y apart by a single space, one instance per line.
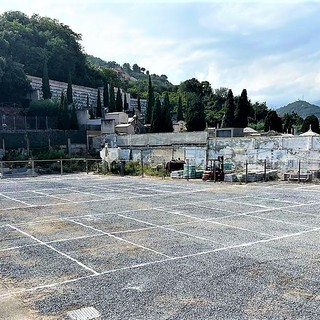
140 248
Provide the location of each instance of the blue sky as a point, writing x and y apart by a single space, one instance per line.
271 48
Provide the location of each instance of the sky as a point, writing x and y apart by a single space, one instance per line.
270 48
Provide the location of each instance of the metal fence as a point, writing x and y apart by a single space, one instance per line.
16 123
23 168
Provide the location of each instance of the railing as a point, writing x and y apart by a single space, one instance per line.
32 167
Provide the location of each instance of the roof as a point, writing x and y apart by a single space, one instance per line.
249 130
309 133
123 125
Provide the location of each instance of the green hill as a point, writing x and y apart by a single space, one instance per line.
302 108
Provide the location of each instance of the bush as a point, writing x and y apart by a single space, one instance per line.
44 108
132 168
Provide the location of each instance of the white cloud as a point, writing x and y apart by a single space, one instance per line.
269 48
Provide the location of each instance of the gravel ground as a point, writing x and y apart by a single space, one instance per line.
136 248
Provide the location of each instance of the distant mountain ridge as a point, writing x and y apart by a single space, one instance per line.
302 108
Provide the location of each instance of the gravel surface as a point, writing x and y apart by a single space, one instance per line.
138 248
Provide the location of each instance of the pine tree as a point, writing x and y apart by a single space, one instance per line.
119 101
106 101
45 82
229 111
69 90
73 119
242 111
99 106
166 115
112 102
150 103
156 124
179 110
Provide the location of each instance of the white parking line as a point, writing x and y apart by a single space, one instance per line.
224 224
118 238
13 199
54 249
141 265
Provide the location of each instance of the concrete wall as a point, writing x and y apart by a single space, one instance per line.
80 93
282 153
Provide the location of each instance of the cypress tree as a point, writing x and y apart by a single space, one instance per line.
69 91
112 103
229 111
166 115
106 101
65 115
99 106
156 123
150 103
179 110
125 104
242 111
119 101
90 109
60 112
45 82
73 119
139 104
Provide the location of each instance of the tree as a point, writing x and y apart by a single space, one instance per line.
69 90
194 115
90 109
28 41
228 120
179 110
65 115
139 104
119 101
150 102
242 110
312 121
46 92
112 102
125 104
166 115
60 111
136 68
273 122
106 101
291 121
14 84
156 124
259 111
99 106
126 67
192 85
73 119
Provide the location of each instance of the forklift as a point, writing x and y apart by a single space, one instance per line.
214 172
